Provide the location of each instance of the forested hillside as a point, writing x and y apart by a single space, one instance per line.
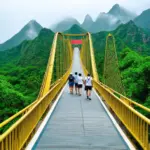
125 35
21 73
75 29
133 49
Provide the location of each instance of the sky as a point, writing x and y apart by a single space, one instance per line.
14 14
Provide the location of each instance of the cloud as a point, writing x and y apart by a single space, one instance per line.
16 13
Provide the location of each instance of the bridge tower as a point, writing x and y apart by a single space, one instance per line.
112 76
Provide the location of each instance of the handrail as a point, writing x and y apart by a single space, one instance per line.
47 72
122 97
127 100
21 112
136 123
24 111
21 130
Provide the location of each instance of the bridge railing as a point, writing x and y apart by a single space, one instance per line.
127 100
25 110
136 123
44 87
18 134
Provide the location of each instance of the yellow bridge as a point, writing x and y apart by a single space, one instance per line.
60 121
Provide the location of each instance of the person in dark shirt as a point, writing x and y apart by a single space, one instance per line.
76 82
71 82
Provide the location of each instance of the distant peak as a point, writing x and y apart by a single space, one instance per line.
32 21
131 23
116 6
88 17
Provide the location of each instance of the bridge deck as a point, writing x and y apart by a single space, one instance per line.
77 123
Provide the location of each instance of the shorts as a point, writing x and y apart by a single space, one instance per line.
71 84
76 85
79 85
88 88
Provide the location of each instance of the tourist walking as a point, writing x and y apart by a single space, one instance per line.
80 84
76 82
88 86
71 83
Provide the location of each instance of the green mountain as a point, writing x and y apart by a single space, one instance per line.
126 35
75 29
143 20
121 13
87 23
104 22
28 32
65 24
111 20
133 49
21 73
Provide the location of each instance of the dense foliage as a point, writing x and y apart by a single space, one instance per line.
127 35
135 70
133 48
21 73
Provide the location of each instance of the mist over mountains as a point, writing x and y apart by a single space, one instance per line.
28 32
143 20
109 21
104 22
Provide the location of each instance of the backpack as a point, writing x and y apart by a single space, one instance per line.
71 79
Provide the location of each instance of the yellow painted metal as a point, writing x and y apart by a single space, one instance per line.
18 134
94 69
48 74
127 100
111 66
20 113
127 115
75 34
136 123
23 128
44 87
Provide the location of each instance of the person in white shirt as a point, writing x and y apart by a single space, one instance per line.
88 86
80 83
76 82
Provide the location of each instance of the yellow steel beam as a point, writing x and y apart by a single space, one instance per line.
22 112
94 70
18 134
136 123
48 74
45 84
67 34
